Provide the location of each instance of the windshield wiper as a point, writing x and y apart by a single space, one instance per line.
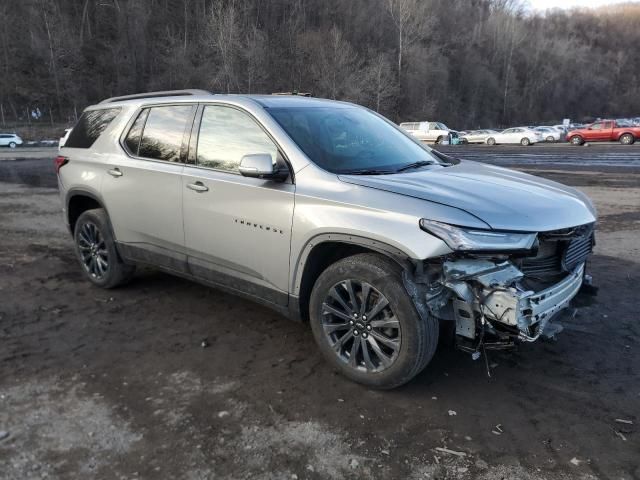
368 171
413 165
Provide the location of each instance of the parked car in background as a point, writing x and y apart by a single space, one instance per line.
605 131
432 132
10 140
522 135
388 238
478 136
549 134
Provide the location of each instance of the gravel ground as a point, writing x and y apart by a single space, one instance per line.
117 384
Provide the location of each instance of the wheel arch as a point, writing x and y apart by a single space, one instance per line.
627 133
79 201
322 251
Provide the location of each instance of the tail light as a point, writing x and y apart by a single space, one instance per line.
60 162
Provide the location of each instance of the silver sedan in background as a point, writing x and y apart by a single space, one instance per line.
477 136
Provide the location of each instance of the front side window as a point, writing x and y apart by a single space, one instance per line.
163 132
350 139
228 134
90 126
596 126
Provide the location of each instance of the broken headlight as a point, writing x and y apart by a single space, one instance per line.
473 239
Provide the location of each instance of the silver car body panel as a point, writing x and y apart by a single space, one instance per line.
261 232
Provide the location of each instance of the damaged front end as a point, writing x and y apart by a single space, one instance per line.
510 295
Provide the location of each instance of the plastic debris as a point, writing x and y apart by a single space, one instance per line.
451 452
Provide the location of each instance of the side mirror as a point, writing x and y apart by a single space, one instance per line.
260 165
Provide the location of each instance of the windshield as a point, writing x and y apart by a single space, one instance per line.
350 139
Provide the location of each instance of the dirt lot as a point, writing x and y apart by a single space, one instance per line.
116 384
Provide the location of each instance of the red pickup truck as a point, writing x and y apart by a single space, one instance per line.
604 131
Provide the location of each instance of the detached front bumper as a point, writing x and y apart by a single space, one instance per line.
485 293
531 311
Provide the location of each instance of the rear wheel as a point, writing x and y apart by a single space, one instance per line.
576 140
96 251
626 139
525 141
367 325
491 141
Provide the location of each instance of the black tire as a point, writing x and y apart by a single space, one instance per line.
94 250
525 142
491 141
550 139
439 140
576 140
12 144
418 337
627 139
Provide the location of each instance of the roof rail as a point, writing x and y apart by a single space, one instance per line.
165 93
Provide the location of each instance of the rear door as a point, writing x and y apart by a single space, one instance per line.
142 187
237 229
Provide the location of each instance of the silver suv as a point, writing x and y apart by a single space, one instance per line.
328 213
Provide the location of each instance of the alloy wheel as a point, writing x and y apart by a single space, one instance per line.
93 250
360 326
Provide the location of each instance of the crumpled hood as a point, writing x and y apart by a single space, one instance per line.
502 198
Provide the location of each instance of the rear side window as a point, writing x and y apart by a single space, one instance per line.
90 126
135 134
163 132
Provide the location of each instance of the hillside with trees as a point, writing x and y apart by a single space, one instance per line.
469 63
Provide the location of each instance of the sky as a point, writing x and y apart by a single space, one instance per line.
545 4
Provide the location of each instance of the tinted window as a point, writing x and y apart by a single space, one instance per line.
226 135
135 134
349 139
163 132
90 127
596 126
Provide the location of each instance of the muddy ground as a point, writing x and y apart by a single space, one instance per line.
117 385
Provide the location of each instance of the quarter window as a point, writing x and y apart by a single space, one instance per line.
163 132
226 135
90 126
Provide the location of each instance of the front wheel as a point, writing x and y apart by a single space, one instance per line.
525 141
96 251
576 140
12 145
626 139
367 325
491 141
550 139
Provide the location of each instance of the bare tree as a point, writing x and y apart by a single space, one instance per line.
224 37
408 17
380 82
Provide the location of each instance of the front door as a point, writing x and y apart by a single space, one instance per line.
237 229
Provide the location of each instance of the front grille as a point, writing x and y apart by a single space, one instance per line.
577 252
559 252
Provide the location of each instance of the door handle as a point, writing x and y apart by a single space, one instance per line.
198 187
115 172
